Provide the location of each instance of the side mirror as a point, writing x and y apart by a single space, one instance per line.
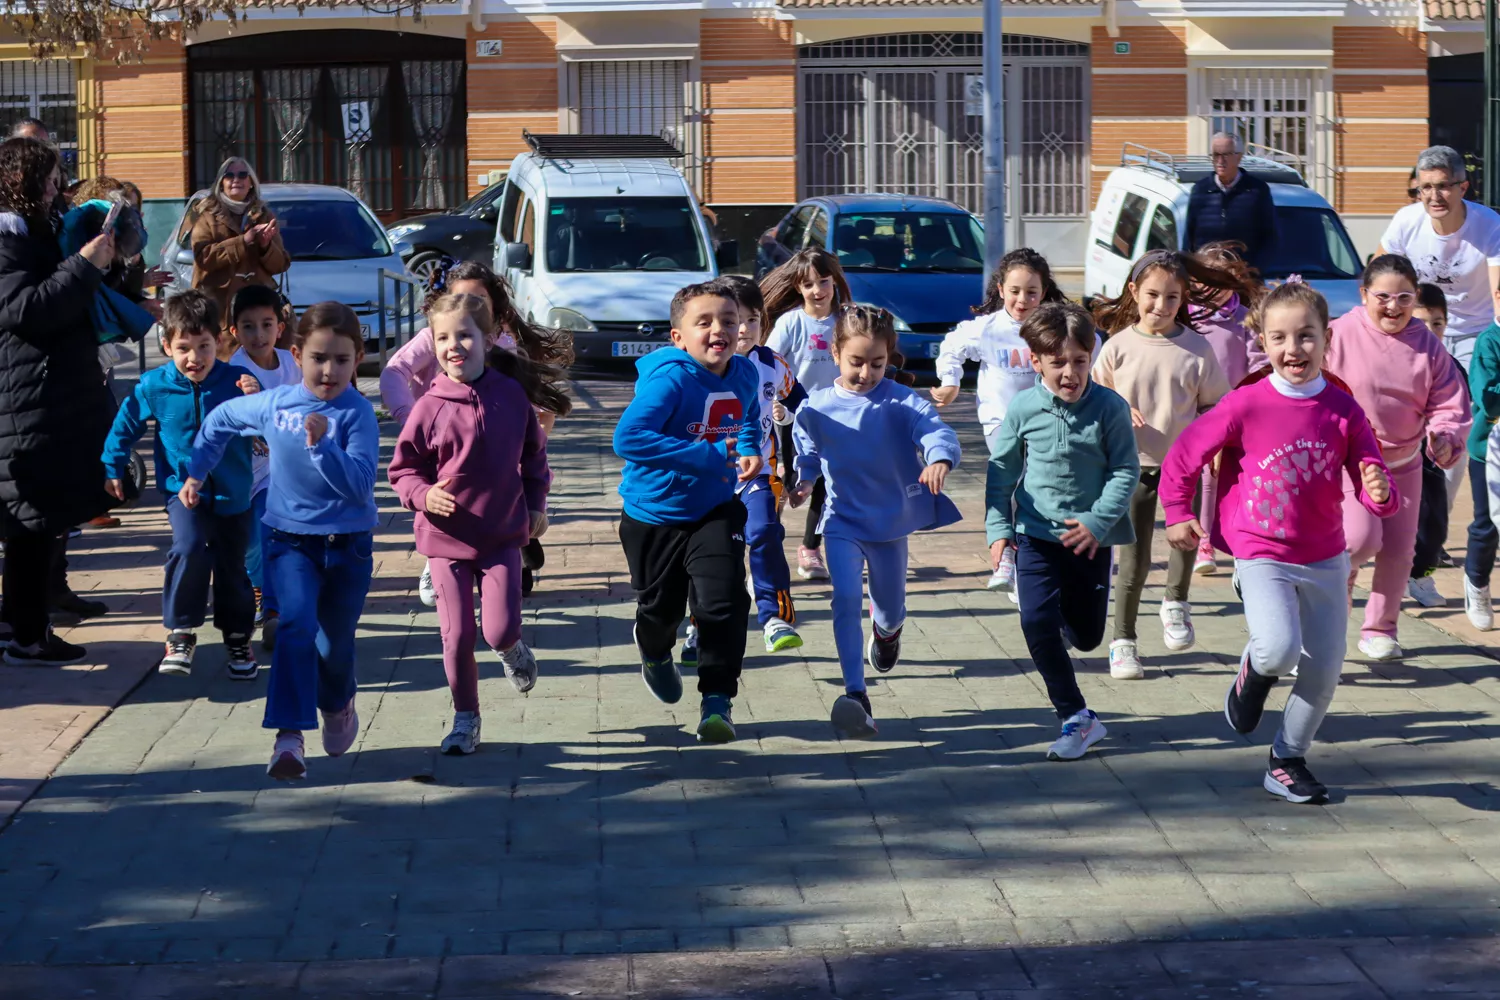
518 256
488 214
184 257
727 255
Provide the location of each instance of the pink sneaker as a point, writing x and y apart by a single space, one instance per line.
810 564
1205 564
287 763
339 729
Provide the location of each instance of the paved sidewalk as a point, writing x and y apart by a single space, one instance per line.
591 822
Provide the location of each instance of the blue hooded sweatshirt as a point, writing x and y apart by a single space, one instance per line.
677 435
180 407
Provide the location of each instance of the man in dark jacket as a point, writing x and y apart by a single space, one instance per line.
1229 204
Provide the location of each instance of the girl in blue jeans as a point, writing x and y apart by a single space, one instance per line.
325 446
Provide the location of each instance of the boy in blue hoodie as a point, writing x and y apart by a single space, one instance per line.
210 540
689 436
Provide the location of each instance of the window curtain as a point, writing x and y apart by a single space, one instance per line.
291 93
228 94
356 86
431 87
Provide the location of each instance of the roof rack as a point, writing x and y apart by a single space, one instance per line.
620 147
1277 166
1147 158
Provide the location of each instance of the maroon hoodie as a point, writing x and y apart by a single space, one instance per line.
485 437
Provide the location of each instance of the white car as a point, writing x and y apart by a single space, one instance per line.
1143 206
338 249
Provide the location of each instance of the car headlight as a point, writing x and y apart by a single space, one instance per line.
569 319
401 232
901 325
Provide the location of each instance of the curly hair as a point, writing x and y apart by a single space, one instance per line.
96 188
25 167
1023 258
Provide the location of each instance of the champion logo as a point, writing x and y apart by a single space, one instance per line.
723 417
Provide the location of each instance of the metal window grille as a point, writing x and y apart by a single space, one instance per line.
938 46
45 89
1054 139
633 97
1267 108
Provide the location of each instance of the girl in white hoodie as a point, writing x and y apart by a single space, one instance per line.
1021 283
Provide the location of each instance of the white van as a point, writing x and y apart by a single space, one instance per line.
596 233
1143 206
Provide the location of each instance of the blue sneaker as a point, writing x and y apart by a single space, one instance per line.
661 676
716 726
690 648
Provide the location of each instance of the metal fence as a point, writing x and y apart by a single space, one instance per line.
45 89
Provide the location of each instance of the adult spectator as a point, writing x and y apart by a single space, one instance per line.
55 409
235 240
1453 244
30 128
1231 206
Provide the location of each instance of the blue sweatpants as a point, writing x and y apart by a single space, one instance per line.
207 546
846 560
1064 601
764 536
255 563
323 580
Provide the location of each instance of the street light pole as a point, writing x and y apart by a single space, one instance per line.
1491 164
994 137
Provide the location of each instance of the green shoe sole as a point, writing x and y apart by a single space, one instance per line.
716 729
785 643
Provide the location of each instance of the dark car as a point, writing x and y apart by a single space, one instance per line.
465 232
920 258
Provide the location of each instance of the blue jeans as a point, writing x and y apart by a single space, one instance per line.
764 536
846 560
255 563
207 546
323 580
1484 538
1064 601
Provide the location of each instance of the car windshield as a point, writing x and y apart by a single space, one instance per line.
485 197
624 234
1310 242
909 241
324 230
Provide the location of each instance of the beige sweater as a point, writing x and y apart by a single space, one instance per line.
1168 380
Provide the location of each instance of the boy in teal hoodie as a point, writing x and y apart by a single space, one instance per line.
1484 538
1074 441
691 433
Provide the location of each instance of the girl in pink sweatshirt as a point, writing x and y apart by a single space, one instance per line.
1285 444
1410 388
472 462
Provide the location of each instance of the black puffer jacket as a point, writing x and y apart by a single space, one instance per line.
55 408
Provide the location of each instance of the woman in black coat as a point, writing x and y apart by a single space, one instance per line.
55 409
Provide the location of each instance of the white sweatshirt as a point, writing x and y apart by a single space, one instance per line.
1004 363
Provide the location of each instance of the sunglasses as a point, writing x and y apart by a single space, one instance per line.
237 175
1402 299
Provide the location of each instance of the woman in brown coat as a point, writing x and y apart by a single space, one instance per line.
235 241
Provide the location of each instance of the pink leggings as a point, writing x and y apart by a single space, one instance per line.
1391 540
500 609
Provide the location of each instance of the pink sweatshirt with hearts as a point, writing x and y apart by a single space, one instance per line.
1281 477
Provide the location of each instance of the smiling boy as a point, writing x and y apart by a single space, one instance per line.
689 436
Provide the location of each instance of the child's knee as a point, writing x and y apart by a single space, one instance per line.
1275 656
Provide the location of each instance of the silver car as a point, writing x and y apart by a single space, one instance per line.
338 250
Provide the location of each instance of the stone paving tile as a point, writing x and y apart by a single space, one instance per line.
591 822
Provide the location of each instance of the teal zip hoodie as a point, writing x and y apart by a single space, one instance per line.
1079 460
1484 390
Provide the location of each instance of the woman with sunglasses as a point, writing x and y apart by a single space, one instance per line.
1411 390
235 241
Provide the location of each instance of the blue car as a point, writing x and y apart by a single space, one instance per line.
921 258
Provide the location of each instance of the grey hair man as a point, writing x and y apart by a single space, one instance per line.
30 128
1230 204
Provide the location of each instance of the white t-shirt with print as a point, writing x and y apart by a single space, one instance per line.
807 345
1458 264
286 372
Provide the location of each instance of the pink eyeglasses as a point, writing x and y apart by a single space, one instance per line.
1400 298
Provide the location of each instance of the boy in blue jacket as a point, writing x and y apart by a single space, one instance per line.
689 436
210 540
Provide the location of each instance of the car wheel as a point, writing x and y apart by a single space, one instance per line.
425 264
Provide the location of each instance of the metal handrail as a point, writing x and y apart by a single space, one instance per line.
407 306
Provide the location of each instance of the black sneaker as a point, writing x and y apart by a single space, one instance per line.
82 607
1245 701
179 654
241 665
883 650
662 677
1290 778
852 717
716 725
50 652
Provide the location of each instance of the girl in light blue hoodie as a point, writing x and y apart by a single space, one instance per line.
883 453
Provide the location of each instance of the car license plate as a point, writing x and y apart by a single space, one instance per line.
933 350
634 348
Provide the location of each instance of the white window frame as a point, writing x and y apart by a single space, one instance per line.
1263 85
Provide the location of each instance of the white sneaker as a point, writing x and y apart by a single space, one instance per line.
1381 647
1423 590
1004 577
1177 625
1124 664
464 737
520 666
1477 606
424 587
1205 564
1079 732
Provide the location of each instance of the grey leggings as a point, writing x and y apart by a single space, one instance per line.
1133 561
1297 617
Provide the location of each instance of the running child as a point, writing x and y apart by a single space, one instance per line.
883 453
209 541
472 462
803 335
1285 445
546 355
257 327
1412 393
1439 486
690 434
325 448
1061 518
1484 536
1020 283
1169 375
